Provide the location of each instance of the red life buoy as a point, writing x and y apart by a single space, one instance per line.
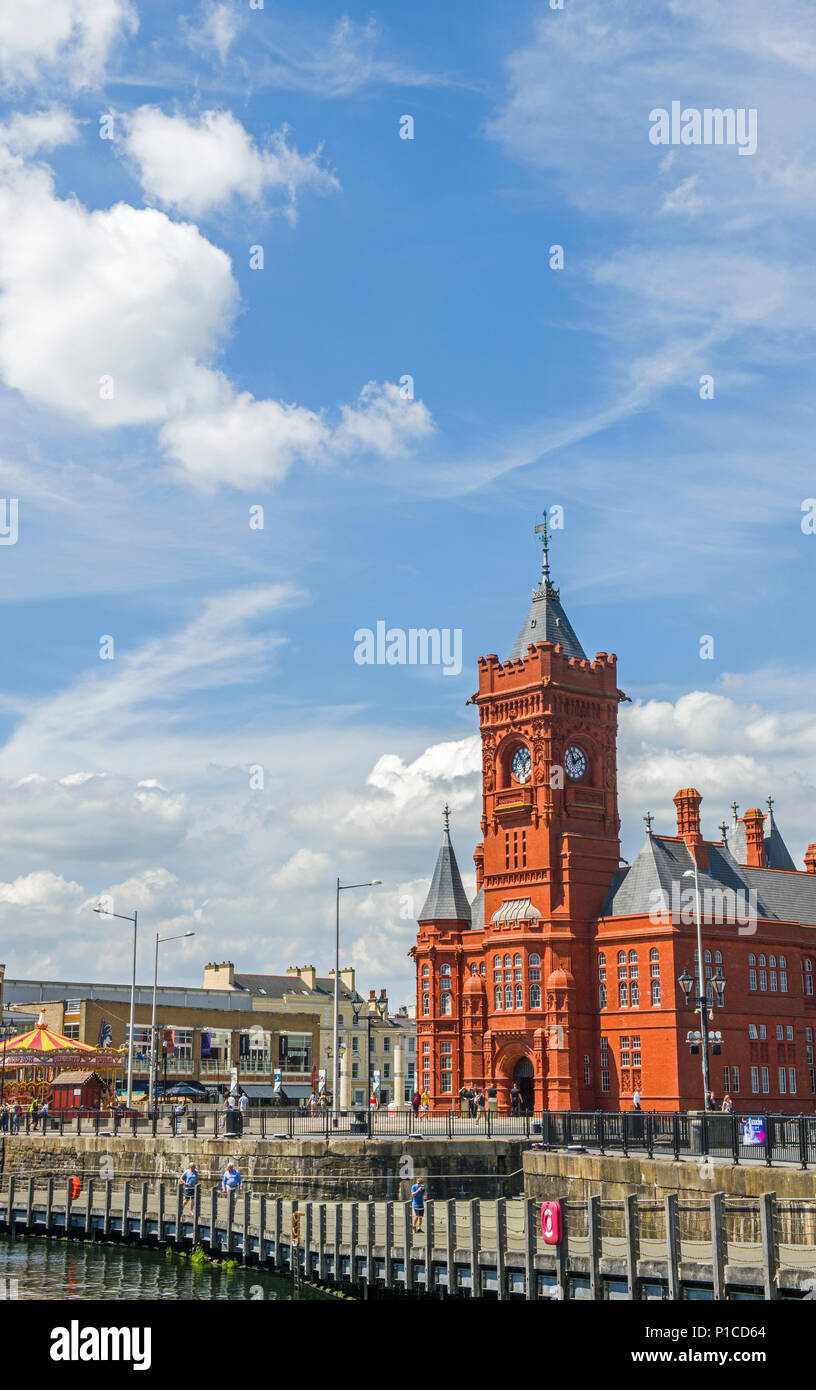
76 1188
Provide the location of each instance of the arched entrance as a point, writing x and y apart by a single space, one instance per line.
523 1078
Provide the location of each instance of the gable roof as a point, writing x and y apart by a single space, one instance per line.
275 986
776 851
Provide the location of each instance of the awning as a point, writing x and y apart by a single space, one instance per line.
295 1090
257 1090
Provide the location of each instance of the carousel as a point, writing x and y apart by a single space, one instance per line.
31 1062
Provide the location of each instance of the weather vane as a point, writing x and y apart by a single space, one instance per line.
648 819
543 532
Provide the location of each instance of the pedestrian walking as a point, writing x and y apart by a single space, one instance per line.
416 1101
515 1099
44 1115
32 1111
17 1118
232 1180
426 1102
481 1105
418 1203
727 1104
636 1100
189 1181
243 1103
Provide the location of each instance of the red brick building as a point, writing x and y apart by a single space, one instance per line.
562 974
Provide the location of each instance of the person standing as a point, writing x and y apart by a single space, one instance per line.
515 1099
418 1203
232 1180
481 1105
189 1181
636 1100
32 1111
416 1101
426 1102
727 1104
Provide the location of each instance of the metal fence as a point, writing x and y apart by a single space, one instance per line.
768 1138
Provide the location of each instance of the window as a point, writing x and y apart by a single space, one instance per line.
766 1084
535 997
497 997
808 1035
634 994
517 974
726 1081
624 1047
752 979
535 958
426 971
70 1030
633 957
508 996
621 957
623 996
497 962
621 972
426 1047
752 1030
792 1080
772 962
633 972
386 1044
782 1085
780 1033
807 978
762 961
604 1048
587 1077
635 1052
355 1043
497 977
752 959
446 1080
445 1002
519 997
654 954
534 972
426 1004
517 959
445 1049
755 1080
718 957
299 1052
763 978
355 1071
602 996
604 1080
735 1081
773 982
783 982
602 958
655 993
762 1032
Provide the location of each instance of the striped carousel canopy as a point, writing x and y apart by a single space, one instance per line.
42 1039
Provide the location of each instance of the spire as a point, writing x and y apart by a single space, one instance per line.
447 899
546 620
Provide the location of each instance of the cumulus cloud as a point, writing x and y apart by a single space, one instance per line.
63 40
39 890
25 134
250 443
195 166
215 27
110 316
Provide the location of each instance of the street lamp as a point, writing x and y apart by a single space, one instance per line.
341 888
699 1000
382 1005
153 1049
134 919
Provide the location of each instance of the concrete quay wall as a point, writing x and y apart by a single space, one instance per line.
553 1174
361 1169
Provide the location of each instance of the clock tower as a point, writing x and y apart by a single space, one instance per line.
548 724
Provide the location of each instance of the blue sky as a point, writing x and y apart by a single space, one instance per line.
128 259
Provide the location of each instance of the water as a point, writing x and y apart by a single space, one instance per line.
61 1269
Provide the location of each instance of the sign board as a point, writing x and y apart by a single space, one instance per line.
551 1222
321 1082
376 1085
753 1129
277 1085
234 1079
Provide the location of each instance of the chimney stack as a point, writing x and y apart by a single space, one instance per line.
754 822
478 859
810 859
687 802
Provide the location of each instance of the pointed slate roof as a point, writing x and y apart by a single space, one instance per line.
447 899
477 919
777 855
547 622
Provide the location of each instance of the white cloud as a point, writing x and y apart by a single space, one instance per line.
197 166
216 27
250 443
119 294
39 130
62 40
41 890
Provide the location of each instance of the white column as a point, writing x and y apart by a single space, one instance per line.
345 1080
399 1074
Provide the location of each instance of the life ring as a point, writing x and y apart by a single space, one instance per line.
76 1188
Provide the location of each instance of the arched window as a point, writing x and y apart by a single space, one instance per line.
508 996
482 969
426 1003
444 971
783 962
602 996
473 967
535 996
623 996
752 959
634 994
633 957
655 992
446 1002
772 962
507 962
517 959
762 960
426 970
535 958
497 962
602 957
497 996
654 954
707 958
519 997
621 957
718 957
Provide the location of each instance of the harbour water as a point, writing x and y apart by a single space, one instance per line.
38 1268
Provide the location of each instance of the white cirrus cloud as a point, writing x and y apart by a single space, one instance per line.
216 26
64 40
195 166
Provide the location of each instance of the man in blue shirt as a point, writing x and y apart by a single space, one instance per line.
232 1180
418 1203
189 1181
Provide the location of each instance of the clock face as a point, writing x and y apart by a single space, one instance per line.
575 762
521 765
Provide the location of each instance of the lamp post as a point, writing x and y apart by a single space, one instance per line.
134 919
154 1058
686 982
382 1005
341 888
